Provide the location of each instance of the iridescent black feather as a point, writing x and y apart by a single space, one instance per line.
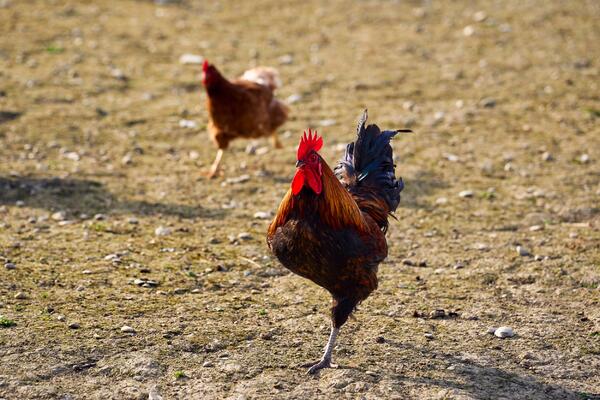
367 168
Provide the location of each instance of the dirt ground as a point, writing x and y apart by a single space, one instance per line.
107 222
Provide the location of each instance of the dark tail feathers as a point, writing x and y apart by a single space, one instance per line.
367 168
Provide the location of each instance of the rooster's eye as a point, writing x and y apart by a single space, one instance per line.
313 158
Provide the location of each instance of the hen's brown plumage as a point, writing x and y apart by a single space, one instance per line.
337 238
242 108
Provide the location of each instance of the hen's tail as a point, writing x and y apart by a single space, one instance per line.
367 171
265 76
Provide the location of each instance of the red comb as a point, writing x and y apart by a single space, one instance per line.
309 143
205 65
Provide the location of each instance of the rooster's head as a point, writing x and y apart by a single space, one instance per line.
308 166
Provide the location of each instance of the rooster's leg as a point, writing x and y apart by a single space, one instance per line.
326 359
215 165
275 141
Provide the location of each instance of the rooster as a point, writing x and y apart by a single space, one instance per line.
245 107
330 226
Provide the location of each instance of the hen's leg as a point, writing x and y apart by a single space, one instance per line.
215 165
326 359
275 141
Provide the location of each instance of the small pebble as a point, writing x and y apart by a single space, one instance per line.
380 339
262 215
59 216
437 314
74 325
523 252
535 228
286 59
99 217
132 221
244 236
466 194
429 336
251 149
21 296
10 265
573 235
584 159
145 283
187 123
127 329
481 246
238 179
441 200
127 159
479 16
162 231
61 318
504 332
468 30
451 157
193 59
491 330
294 98
488 102
546 156
207 364
327 122
459 265
538 258
438 117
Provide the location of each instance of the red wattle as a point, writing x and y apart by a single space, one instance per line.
314 181
298 182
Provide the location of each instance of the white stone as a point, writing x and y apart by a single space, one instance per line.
193 59
163 231
127 329
504 332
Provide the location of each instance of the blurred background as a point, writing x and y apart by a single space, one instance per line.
106 221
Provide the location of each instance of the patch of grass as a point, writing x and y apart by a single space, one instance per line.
262 312
179 375
488 195
54 49
594 112
98 227
6 323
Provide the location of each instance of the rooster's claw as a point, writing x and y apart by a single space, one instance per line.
324 363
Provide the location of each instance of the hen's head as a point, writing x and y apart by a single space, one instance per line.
308 167
209 73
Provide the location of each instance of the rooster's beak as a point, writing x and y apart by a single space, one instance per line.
299 164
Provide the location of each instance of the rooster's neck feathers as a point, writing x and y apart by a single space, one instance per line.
334 207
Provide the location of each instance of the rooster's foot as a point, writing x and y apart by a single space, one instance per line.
324 363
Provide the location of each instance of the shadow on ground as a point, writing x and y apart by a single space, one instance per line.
422 184
77 196
484 382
